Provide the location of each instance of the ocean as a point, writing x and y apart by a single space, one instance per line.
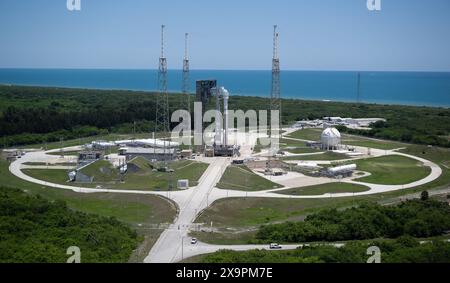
405 88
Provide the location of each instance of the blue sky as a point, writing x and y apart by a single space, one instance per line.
410 35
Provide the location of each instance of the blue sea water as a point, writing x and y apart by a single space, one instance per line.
407 88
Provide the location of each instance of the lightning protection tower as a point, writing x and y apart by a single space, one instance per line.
186 103
275 96
162 102
275 101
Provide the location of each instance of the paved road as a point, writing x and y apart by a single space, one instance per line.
168 247
191 202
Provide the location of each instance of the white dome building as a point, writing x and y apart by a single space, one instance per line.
330 138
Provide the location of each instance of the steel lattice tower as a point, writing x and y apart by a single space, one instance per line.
275 97
186 103
162 123
275 101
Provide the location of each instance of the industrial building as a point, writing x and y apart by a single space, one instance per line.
151 154
352 123
89 155
147 143
203 92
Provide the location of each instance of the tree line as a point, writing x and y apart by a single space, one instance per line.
415 218
35 230
28 111
401 250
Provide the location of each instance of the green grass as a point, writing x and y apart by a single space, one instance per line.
126 207
392 170
325 189
245 212
56 176
307 134
327 156
145 179
241 178
314 135
386 145
296 147
135 210
102 171
251 212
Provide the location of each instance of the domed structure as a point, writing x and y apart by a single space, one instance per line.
330 138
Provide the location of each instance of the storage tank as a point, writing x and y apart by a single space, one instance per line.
343 168
330 138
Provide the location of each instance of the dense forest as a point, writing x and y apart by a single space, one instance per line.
399 232
34 230
416 218
37 114
402 250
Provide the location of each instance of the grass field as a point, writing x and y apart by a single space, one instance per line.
296 147
314 135
245 212
134 209
327 156
139 211
392 170
57 176
243 179
306 134
242 214
325 189
102 171
386 145
145 179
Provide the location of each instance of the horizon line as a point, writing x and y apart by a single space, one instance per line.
206 69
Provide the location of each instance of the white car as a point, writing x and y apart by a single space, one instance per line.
194 241
275 246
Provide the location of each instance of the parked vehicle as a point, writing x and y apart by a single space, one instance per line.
275 246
